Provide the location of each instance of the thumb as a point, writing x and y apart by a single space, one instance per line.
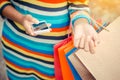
32 19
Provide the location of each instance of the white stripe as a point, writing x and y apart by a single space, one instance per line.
22 75
41 12
1 26
28 59
48 41
84 8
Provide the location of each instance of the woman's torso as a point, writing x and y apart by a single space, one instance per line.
23 52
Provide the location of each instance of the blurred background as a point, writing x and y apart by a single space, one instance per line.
107 10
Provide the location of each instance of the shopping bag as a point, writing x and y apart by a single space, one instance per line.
105 63
70 50
79 67
63 70
58 71
66 71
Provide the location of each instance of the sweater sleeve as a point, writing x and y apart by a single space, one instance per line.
3 4
78 9
81 5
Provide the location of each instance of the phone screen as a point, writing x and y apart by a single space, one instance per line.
40 26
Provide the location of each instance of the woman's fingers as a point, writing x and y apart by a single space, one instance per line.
89 38
91 46
29 29
27 23
82 42
35 21
87 43
77 42
31 19
96 39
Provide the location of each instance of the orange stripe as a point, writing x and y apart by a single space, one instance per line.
77 0
30 52
60 29
27 69
53 1
1 1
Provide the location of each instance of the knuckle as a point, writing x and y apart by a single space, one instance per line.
86 50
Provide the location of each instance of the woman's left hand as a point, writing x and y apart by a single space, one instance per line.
85 36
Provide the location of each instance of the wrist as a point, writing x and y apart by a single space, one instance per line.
79 21
80 17
21 19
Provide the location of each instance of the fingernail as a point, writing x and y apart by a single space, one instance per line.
92 52
48 24
96 44
32 34
86 50
36 21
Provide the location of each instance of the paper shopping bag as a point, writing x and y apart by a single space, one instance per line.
61 49
79 67
105 63
69 51
66 72
62 67
58 71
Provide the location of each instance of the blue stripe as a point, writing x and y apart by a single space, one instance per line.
40 7
14 77
26 43
28 64
56 21
51 19
75 73
27 56
61 25
39 36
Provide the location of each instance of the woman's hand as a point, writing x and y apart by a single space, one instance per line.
85 36
27 22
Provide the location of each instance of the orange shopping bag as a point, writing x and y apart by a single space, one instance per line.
58 71
66 72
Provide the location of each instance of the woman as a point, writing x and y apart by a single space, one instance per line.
29 56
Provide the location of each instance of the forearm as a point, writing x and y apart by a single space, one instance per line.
25 20
82 20
11 13
79 11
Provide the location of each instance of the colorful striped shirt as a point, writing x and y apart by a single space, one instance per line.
28 57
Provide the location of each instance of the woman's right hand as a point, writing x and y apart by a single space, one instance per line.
27 22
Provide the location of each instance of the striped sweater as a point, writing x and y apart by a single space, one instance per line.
31 58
